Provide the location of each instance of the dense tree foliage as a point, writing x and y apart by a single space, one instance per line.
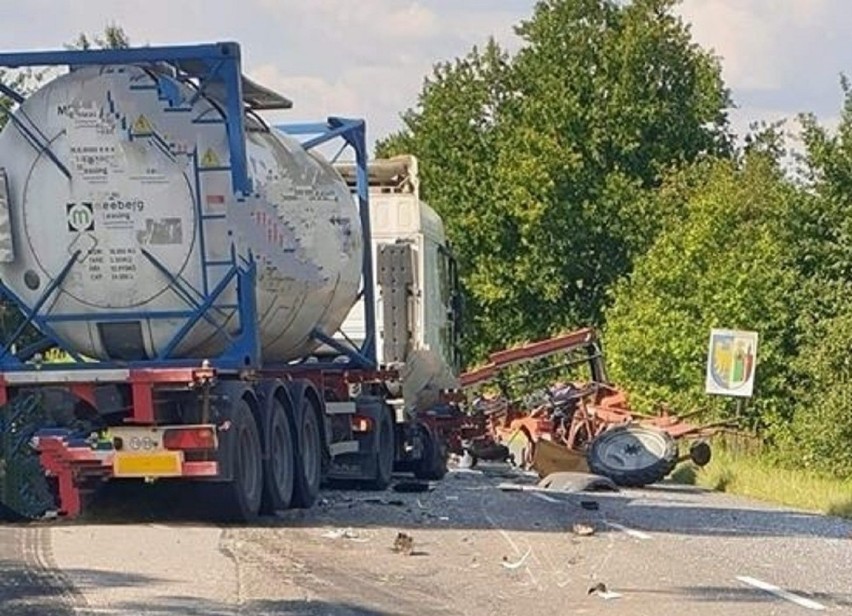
539 162
726 263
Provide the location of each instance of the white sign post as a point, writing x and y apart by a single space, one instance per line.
730 363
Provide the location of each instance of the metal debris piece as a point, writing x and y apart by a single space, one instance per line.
601 591
517 564
583 529
403 544
577 482
599 587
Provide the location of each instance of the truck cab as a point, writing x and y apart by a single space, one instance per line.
418 304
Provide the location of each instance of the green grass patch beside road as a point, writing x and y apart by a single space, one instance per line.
751 476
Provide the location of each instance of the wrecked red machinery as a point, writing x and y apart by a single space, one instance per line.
549 405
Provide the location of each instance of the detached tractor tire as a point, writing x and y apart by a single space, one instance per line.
433 465
632 455
308 458
279 467
384 455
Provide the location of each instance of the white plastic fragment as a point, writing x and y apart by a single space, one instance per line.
518 564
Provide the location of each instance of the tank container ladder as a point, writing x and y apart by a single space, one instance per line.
353 134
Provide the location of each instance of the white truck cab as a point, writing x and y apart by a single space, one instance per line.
418 302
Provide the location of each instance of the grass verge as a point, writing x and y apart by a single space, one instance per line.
749 475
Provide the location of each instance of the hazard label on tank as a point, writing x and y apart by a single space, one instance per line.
142 125
210 158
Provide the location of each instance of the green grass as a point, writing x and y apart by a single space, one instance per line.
751 476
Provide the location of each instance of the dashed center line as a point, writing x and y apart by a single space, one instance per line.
780 592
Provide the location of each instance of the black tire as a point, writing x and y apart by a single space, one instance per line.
433 465
308 458
279 467
632 455
238 500
384 455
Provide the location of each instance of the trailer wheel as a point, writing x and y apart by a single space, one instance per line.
279 465
309 459
239 500
633 455
384 455
433 465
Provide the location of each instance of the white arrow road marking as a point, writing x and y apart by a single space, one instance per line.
780 592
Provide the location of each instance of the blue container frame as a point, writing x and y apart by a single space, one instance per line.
205 64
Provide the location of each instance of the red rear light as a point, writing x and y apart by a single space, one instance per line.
185 439
361 423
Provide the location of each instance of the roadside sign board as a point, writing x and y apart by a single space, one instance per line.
730 362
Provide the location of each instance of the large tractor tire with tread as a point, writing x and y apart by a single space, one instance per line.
279 467
239 499
309 456
632 455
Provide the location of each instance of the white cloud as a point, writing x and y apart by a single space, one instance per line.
368 57
757 39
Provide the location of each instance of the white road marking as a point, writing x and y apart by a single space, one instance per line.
636 534
780 592
545 497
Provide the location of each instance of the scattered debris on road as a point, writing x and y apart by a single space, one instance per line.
582 529
590 505
345 533
577 482
403 544
517 564
601 591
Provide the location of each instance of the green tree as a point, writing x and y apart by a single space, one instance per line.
821 433
539 162
728 263
113 37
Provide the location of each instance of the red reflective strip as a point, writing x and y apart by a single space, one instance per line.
185 439
200 469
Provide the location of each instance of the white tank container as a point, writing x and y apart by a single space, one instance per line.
149 210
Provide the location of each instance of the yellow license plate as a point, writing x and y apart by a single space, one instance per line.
159 464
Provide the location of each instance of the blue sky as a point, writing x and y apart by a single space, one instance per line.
368 57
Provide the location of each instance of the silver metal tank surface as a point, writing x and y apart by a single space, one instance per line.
150 212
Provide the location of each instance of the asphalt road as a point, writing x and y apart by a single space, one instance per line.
476 550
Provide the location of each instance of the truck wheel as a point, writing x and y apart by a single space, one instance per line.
238 500
309 459
384 455
279 465
433 465
632 455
